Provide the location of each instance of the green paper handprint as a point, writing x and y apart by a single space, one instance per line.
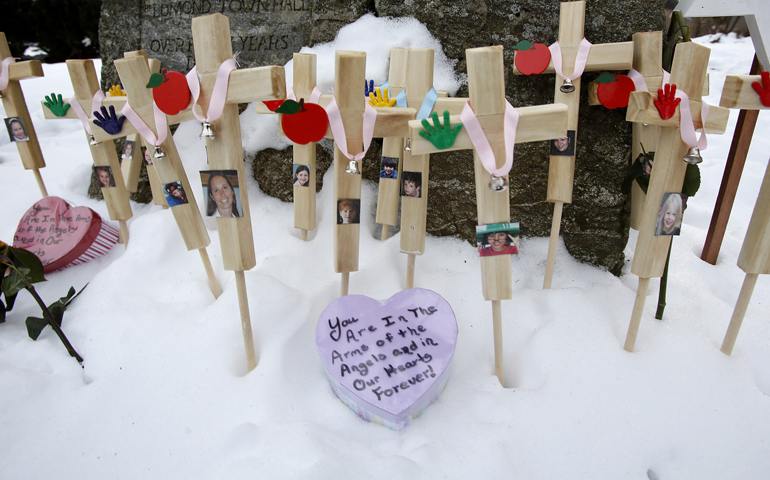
56 105
442 137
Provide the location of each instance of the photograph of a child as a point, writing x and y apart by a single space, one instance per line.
104 177
147 155
128 150
564 147
670 215
388 167
175 194
347 211
221 191
411 184
301 176
498 239
16 129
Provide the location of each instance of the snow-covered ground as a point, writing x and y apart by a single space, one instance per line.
165 392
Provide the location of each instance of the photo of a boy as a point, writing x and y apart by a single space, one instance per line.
498 239
389 167
175 194
411 184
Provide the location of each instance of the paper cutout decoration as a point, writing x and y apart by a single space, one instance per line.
763 89
667 102
301 122
116 91
442 136
109 122
614 90
368 88
380 98
170 91
61 236
56 105
388 362
532 58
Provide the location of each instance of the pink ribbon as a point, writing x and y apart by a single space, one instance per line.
218 96
4 75
580 59
338 129
686 125
481 143
640 84
96 102
315 95
161 124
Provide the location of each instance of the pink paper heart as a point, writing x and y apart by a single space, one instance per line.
389 361
61 236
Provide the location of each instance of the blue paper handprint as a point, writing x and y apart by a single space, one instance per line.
368 88
109 122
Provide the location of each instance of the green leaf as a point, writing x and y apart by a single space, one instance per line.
605 77
27 261
691 180
2 312
156 80
35 327
523 45
9 302
13 283
289 107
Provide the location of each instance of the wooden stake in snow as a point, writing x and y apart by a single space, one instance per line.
688 74
486 85
16 106
610 56
744 92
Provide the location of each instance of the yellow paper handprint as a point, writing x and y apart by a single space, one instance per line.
380 98
116 91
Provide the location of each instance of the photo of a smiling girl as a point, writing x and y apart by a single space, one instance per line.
670 214
301 177
347 211
220 189
16 129
498 239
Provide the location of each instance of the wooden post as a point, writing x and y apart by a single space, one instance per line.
610 56
486 84
688 74
392 147
304 197
16 106
84 83
734 93
134 74
211 39
754 258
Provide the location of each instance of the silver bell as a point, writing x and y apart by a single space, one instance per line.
567 86
408 146
158 153
353 168
1 95
498 184
693 156
92 141
207 131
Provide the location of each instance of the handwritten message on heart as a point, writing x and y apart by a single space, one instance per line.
389 361
60 235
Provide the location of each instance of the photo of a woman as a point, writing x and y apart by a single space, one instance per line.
301 175
670 215
221 192
104 177
347 211
498 239
16 129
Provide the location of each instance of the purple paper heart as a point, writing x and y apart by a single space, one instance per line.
388 361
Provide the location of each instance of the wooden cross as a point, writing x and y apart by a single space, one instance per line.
211 40
486 85
16 106
754 258
134 74
350 69
419 80
688 74
737 93
610 56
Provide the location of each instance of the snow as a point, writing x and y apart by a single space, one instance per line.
165 392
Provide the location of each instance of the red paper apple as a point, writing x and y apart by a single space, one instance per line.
614 90
170 91
302 122
531 58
